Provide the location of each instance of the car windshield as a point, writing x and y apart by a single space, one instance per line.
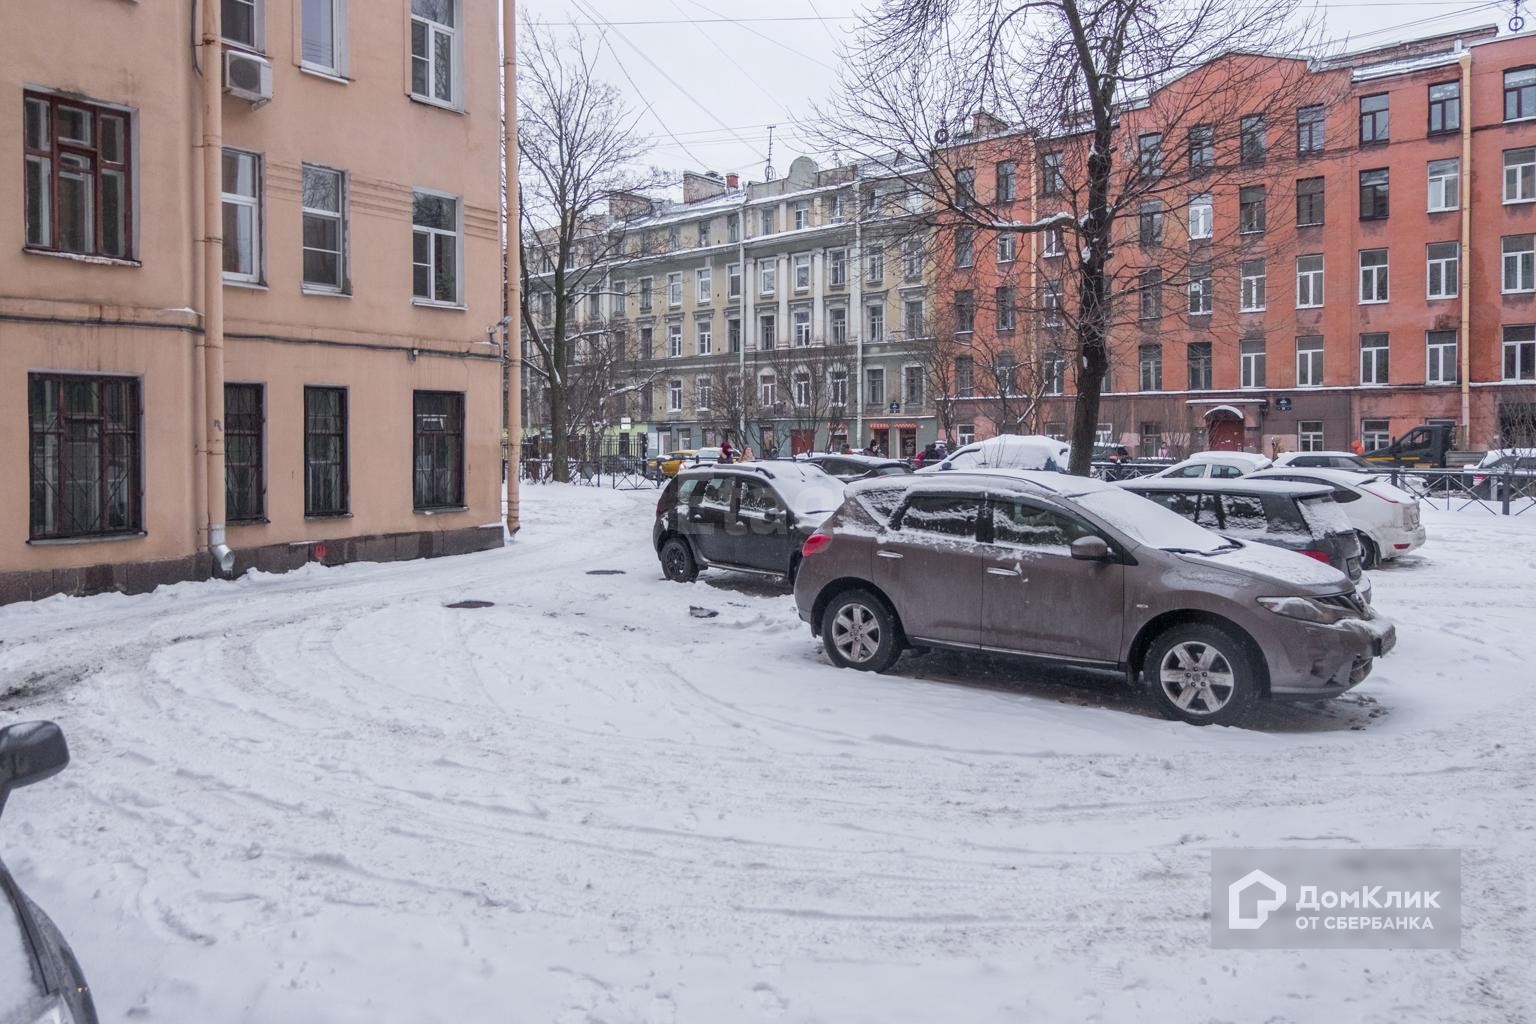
813 494
1149 523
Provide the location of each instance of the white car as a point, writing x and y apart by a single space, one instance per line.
1218 465
1008 451
1347 461
1385 517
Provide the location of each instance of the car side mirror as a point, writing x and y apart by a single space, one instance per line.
30 752
1090 549
770 515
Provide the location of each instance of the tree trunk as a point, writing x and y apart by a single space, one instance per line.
559 435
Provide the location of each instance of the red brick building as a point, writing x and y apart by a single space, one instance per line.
1341 251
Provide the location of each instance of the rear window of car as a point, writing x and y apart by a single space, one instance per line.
1323 515
1243 513
950 517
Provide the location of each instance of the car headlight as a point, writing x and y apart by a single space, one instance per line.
55 1012
1307 609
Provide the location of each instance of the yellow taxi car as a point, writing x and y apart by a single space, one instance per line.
665 465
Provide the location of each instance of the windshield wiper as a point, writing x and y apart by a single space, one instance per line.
1196 551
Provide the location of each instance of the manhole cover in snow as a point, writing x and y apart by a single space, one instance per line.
472 604
702 613
605 572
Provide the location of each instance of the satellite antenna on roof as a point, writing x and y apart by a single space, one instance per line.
768 167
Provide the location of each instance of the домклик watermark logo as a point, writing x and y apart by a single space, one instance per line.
1336 899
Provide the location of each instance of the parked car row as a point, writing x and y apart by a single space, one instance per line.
1216 593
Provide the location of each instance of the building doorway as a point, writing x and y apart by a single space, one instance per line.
1224 427
802 442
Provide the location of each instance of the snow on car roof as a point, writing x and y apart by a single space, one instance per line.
1240 485
1252 457
1338 477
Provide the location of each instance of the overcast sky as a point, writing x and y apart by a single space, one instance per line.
708 77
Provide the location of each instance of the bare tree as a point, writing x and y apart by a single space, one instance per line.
1109 101
577 147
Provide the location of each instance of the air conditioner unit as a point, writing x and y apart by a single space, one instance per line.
248 76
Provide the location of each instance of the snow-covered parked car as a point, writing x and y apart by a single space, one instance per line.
1217 465
1511 467
40 979
1386 518
1298 517
1347 461
850 467
746 517
1075 570
1008 451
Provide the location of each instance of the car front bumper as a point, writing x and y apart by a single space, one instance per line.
1329 660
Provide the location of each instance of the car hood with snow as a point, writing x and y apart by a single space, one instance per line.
1008 451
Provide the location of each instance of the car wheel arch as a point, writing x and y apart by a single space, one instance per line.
1160 624
830 591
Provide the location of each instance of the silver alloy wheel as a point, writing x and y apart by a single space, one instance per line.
856 633
1194 671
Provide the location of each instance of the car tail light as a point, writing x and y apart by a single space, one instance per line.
1321 556
814 543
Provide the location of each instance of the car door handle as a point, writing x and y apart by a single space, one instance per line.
889 554
998 570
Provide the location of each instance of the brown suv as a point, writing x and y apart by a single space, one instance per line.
1076 570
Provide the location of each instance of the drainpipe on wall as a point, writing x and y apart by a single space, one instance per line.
1464 350
746 312
856 304
512 390
212 339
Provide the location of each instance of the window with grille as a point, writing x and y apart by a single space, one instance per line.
325 452
86 456
244 471
78 187
439 450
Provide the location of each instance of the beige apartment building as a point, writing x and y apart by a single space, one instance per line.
274 348
786 315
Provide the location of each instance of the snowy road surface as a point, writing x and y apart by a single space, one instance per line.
326 797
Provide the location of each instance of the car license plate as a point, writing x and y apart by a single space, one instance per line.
1353 567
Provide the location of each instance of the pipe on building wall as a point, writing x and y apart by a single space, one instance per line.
856 315
1464 349
211 342
511 384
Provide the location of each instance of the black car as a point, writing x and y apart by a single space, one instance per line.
745 517
40 979
848 468
1294 516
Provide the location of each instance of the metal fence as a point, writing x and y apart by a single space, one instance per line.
599 461
1508 492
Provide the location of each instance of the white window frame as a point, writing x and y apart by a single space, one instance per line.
1253 297
800 388
767 276
704 393
874 266
340 217
1201 225
1202 300
703 286
912 258
1252 360
1523 262
1435 360
1007 246
874 375
767 329
1053 244
1309 282
1374 356
674 340
1524 177
837 267
675 291
800 327
258 41
1312 360
801 266
907 378
1449 268
874 317
1375 280
704 335
837 386
733 281
338 66
837 324
674 396
254 204
1524 362
802 216
906 317
1444 187
767 388
1310 440
433 30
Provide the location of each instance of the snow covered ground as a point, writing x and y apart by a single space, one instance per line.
327 797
